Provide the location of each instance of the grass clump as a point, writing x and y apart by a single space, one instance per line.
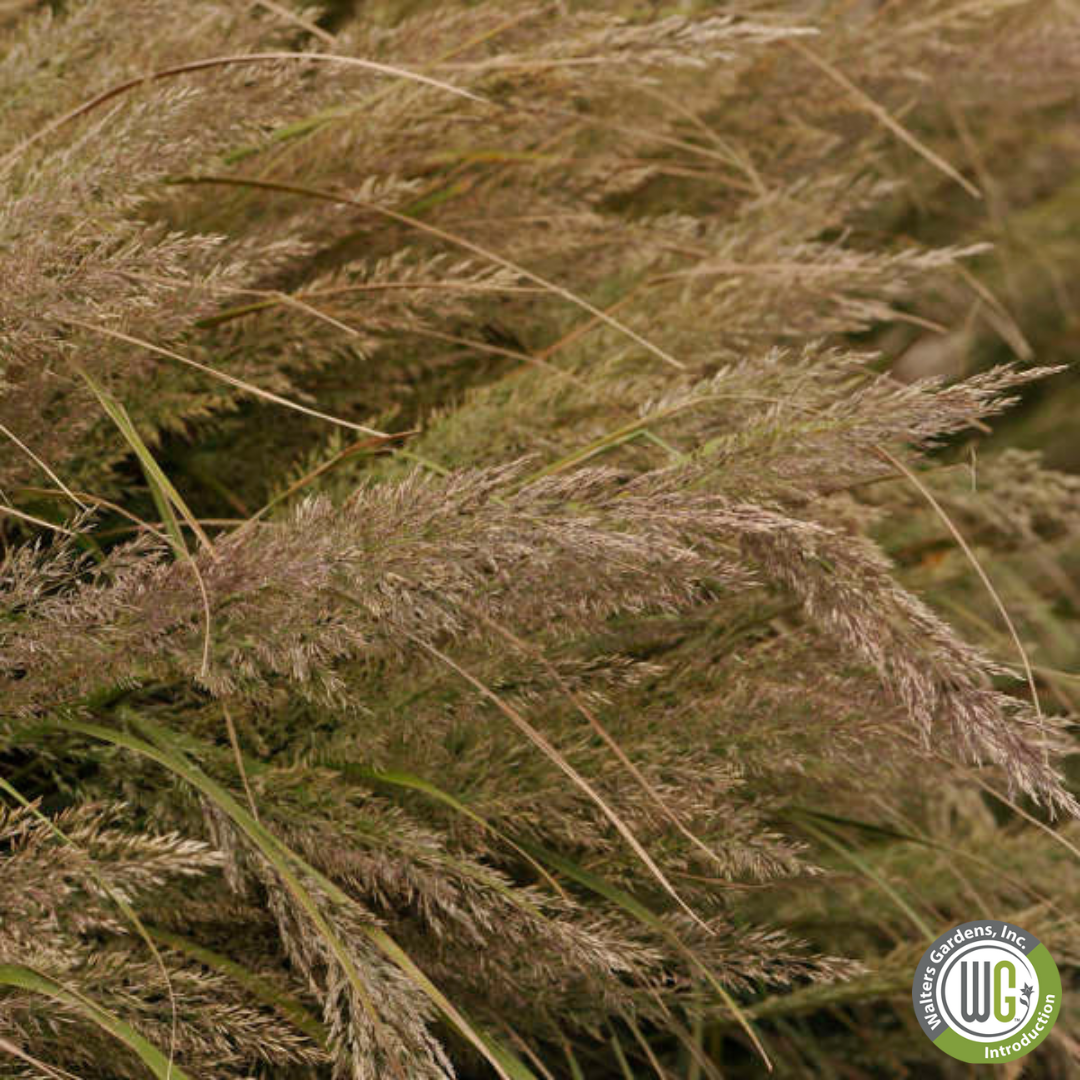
478 595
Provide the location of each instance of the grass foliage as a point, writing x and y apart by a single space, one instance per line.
511 562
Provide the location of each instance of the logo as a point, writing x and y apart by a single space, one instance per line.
987 992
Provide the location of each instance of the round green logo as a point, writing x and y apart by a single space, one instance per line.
987 992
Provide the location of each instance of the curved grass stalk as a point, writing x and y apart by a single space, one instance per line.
883 116
124 907
30 519
288 866
545 746
240 384
43 466
410 782
51 1071
26 978
116 508
217 62
594 722
995 596
1012 804
884 832
299 128
635 908
287 1006
449 238
848 855
165 497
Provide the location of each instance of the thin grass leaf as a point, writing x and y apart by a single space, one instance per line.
288 1007
633 906
25 978
283 860
166 497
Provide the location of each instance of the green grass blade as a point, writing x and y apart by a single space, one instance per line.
639 911
123 905
575 1066
286 864
848 854
620 1057
287 1006
166 497
411 782
25 978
